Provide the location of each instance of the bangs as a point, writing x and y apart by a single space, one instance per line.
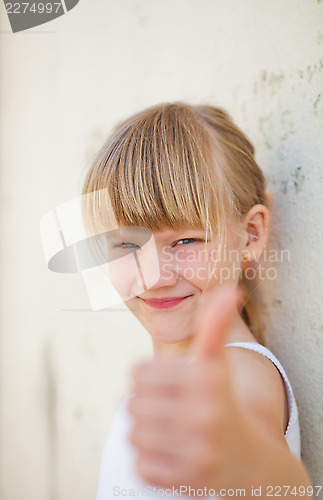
158 171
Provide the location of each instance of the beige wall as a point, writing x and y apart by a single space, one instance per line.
64 85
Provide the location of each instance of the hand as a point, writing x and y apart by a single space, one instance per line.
186 422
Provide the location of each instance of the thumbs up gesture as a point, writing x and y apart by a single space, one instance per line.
186 420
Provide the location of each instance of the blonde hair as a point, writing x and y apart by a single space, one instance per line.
175 164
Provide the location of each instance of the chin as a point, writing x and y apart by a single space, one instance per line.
171 345
169 335
163 327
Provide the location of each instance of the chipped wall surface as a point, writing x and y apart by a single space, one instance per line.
65 85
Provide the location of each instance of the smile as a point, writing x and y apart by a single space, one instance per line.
165 303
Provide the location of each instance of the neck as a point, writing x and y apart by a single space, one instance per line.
239 332
177 348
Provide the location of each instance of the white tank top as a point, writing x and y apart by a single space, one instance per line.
117 472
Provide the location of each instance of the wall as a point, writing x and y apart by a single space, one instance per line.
64 85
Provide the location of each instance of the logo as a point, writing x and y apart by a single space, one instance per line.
110 259
26 15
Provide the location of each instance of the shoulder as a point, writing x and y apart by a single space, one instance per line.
259 388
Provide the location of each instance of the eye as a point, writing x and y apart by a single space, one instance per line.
186 240
127 245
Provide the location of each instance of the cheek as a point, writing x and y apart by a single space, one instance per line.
197 268
126 278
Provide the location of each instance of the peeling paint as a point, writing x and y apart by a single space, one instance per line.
266 128
311 69
319 38
316 102
299 179
269 80
284 186
315 68
263 76
310 72
288 126
276 79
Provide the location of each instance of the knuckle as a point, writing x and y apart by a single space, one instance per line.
204 458
133 437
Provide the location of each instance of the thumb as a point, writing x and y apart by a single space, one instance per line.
215 317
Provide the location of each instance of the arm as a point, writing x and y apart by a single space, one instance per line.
260 392
276 469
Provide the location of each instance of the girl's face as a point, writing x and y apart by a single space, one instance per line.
162 275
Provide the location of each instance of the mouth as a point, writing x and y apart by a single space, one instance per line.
165 303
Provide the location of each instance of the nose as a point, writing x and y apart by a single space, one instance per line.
157 268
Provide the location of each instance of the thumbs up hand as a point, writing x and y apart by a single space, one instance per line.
186 422
215 317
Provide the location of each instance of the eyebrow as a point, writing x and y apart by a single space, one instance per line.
181 232
164 234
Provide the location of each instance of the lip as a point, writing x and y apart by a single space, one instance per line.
165 302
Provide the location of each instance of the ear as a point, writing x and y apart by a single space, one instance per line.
255 232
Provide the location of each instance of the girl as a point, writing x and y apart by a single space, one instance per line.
202 419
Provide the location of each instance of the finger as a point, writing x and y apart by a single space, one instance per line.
157 408
155 439
168 470
190 413
215 318
166 373
159 469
